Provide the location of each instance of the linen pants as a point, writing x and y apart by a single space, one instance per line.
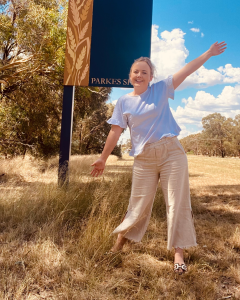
165 160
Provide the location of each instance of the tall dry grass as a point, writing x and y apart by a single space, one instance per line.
53 240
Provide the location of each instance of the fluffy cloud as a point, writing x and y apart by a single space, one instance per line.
190 22
227 104
195 29
169 55
125 136
168 52
184 132
202 34
230 74
114 102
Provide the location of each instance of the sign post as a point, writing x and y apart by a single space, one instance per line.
66 135
104 37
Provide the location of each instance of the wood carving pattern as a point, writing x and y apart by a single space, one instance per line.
77 61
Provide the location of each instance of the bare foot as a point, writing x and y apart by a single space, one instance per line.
121 240
178 259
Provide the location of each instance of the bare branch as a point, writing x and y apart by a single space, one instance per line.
104 94
15 142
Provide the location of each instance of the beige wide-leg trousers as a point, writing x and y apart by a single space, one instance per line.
165 160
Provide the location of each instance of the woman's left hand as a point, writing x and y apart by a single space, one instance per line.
192 66
217 48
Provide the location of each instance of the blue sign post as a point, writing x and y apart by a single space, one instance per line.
66 135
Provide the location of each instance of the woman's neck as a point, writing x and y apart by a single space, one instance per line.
138 91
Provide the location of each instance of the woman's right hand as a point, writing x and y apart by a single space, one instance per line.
111 142
99 166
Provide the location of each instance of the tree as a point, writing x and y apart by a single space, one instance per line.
90 115
216 129
220 135
127 146
32 40
32 47
236 135
191 143
32 52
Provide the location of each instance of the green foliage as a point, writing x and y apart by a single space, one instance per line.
32 52
90 126
32 47
220 137
127 146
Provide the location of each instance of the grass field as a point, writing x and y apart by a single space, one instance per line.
52 240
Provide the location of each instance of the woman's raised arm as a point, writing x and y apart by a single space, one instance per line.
180 76
111 142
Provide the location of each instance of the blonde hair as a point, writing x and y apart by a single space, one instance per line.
148 61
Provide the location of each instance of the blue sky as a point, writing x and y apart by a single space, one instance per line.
183 30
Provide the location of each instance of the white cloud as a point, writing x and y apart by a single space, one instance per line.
124 136
227 104
169 55
114 102
190 22
203 78
184 132
195 29
168 51
202 34
230 73
184 100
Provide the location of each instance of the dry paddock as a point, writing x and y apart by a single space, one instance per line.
52 241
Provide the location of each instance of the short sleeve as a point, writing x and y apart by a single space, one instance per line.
170 89
118 118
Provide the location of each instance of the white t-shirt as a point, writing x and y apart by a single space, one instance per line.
148 115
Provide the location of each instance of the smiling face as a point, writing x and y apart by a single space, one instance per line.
140 75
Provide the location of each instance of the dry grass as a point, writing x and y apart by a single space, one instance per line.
53 240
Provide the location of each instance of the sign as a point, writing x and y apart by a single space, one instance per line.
104 37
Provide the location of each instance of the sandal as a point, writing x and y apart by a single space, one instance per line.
181 267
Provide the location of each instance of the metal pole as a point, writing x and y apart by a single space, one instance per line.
66 135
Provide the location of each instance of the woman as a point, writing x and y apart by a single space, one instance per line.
157 155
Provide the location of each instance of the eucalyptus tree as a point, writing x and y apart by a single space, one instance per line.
220 136
32 54
217 129
236 135
32 47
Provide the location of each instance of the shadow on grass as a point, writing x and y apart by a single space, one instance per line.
214 208
221 202
42 203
